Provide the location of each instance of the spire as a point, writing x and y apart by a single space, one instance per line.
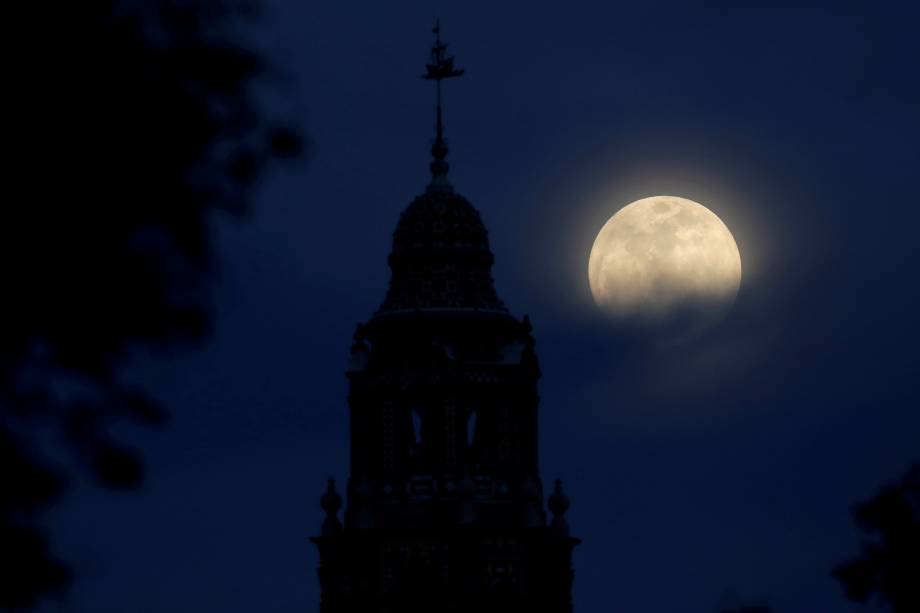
441 67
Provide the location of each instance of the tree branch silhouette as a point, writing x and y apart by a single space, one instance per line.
141 127
887 567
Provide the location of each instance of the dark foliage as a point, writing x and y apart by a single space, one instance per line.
889 566
132 124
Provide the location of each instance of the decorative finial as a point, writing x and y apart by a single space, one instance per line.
331 502
559 503
441 67
358 357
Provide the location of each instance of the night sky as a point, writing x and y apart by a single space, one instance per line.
709 474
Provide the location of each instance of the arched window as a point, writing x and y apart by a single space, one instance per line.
471 429
415 449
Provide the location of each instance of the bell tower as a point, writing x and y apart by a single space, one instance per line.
445 502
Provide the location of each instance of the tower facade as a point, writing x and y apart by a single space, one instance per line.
445 502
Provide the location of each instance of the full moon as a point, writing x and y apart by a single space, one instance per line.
665 264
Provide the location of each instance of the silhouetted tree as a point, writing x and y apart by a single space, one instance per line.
131 125
889 565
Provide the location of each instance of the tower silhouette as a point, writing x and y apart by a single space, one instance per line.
445 503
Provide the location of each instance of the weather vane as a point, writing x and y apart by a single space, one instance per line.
441 67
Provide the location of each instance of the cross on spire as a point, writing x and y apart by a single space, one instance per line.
439 68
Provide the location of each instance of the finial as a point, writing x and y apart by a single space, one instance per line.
331 502
559 503
441 67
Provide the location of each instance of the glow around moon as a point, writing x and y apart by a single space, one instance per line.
666 263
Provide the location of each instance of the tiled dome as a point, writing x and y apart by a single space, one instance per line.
440 219
441 257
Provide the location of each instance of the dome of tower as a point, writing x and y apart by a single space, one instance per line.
440 219
440 258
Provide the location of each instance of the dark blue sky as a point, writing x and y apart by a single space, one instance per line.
704 475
